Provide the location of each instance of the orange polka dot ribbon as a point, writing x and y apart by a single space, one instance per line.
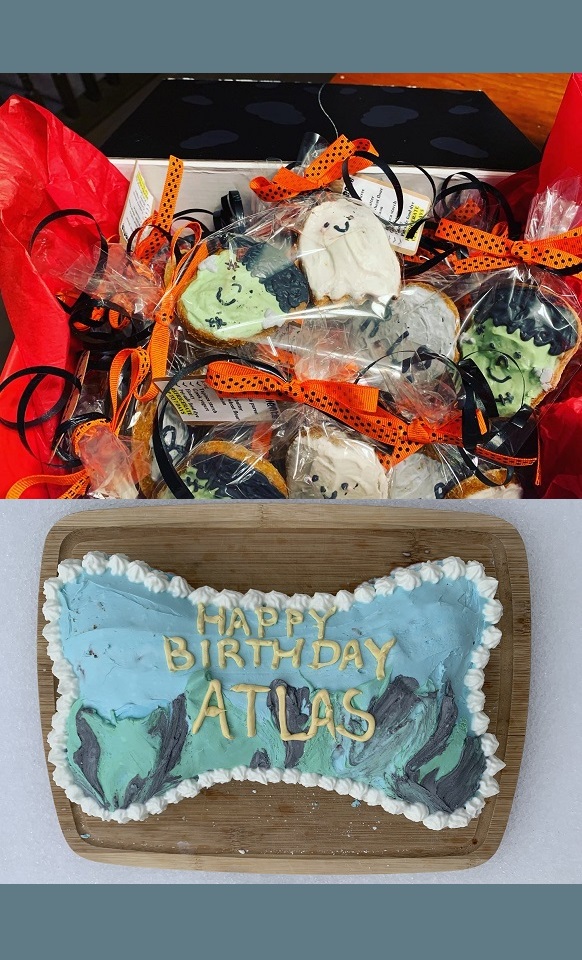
78 483
496 251
322 171
146 249
352 404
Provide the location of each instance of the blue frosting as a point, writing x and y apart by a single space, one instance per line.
112 633
130 732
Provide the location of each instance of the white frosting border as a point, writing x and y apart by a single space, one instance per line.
408 578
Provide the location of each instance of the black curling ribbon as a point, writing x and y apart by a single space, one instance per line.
100 333
441 249
38 374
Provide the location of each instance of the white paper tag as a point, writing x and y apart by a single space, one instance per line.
139 205
382 199
198 403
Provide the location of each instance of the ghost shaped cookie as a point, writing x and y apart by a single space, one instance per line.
346 254
328 464
239 294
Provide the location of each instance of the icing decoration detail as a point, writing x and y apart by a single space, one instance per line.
303 719
520 339
330 465
235 297
346 253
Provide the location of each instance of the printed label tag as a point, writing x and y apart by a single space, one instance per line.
382 199
139 205
198 403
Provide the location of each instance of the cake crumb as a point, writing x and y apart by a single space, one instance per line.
374 828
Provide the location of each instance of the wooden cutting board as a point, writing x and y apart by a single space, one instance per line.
283 828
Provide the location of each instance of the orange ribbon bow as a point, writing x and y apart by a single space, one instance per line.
78 483
322 171
352 404
497 250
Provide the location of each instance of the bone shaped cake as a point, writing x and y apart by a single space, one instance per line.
165 690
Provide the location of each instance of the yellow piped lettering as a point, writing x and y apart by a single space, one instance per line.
380 654
211 710
251 690
348 705
293 617
203 618
321 697
318 646
294 653
229 648
351 653
175 649
238 621
266 617
321 621
205 647
285 735
256 644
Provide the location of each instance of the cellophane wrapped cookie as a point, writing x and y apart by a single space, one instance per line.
438 472
232 462
327 461
321 255
521 325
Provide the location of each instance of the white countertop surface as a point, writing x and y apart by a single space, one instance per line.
543 841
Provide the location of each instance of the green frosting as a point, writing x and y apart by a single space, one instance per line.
514 381
450 756
227 302
200 488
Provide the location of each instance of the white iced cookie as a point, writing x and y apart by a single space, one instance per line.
424 317
345 252
415 477
327 464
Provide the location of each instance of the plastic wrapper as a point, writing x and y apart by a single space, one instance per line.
438 472
115 279
328 461
177 438
322 255
108 462
234 462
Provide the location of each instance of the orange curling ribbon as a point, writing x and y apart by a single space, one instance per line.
78 483
352 404
322 171
497 251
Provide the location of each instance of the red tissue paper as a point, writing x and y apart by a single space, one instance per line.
44 167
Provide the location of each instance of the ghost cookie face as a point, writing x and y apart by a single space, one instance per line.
237 295
327 464
521 340
346 254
